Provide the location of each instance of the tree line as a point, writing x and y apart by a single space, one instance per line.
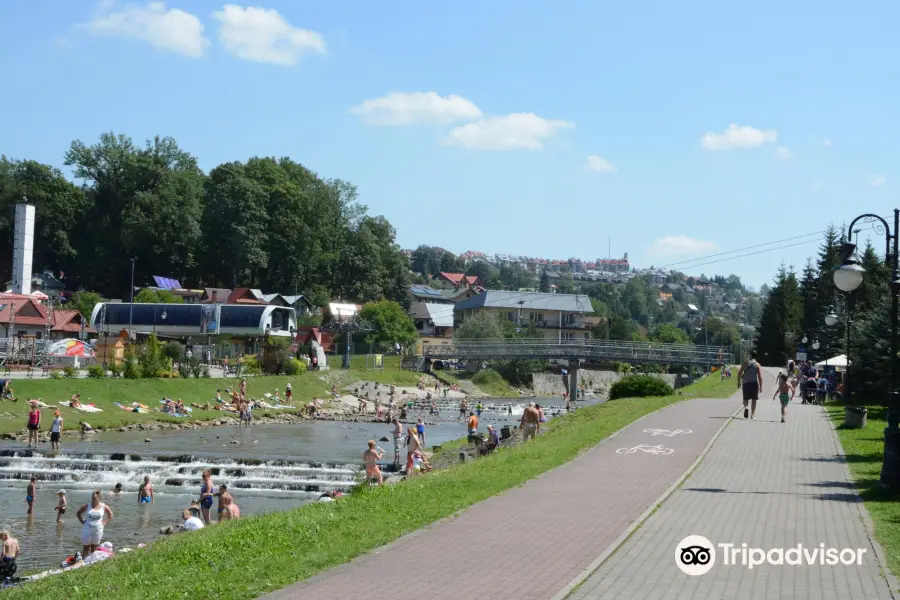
796 306
268 223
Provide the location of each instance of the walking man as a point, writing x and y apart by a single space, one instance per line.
397 432
750 381
530 422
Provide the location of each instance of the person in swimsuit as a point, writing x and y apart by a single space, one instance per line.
785 393
371 458
29 494
288 393
145 492
412 446
8 554
206 496
420 430
530 422
34 425
228 509
61 505
56 430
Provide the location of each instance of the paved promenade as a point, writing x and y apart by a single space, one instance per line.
531 541
763 483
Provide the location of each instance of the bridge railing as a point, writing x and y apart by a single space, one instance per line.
581 349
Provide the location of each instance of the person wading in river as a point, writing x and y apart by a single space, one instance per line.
8 554
371 457
412 446
397 432
750 381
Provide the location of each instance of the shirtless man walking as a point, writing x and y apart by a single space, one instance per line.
8 554
371 457
751 382
531 421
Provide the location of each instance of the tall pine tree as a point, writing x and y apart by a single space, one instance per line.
780 325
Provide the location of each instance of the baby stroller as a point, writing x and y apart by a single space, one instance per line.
809 392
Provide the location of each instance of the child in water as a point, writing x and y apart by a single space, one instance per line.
785 392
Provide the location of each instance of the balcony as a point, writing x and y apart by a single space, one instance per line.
557 325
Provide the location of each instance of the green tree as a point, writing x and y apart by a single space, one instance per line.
390 322
484 325
84 302
668 333
143 202
148 296
545 285
779 326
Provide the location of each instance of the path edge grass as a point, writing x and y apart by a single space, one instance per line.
834 414
131 574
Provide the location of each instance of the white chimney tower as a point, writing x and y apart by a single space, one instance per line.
23 246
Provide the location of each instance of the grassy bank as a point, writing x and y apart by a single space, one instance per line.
865 450
245 559
104 393
492 385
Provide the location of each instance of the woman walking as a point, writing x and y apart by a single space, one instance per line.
93 516
207 491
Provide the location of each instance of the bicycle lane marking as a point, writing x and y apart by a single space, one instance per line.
603 494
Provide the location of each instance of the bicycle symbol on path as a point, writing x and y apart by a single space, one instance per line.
645 448
666 432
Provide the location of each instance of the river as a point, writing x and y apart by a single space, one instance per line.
267 468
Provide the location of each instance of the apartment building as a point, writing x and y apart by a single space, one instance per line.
560 317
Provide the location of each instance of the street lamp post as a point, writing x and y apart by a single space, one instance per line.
848 277
131 308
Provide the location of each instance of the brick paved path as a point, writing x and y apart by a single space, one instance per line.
531 541
764 484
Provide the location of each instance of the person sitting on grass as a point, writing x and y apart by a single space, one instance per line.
191 521
75 401
493 439
200 406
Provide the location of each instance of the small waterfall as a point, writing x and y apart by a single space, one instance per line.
174 473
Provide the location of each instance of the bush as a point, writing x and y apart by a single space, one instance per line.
96 372
115 368
487 377
55 374
69 372
294 367
173 350
184 370
205 373
639 386
196 367
132 369
251 366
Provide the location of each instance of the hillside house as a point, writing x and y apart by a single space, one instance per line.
561 317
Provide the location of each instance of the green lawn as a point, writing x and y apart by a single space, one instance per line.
250 557
865 449
105 392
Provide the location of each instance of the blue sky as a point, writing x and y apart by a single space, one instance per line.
714 127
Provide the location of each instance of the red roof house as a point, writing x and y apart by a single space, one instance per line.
460 279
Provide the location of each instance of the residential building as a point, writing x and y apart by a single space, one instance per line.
431 309
560 317
461 279
22 315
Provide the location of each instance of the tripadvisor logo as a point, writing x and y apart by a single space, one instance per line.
696 555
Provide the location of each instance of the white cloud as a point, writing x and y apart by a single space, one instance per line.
517 130
399 108
877 180
598 164
174 30
738 137
827 143
263 35
679 245
783 153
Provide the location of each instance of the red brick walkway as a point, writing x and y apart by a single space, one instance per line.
531 541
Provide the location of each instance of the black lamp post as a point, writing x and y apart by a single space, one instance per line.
848 277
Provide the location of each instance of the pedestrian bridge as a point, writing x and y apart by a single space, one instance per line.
581 350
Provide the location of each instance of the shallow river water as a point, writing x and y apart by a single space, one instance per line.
271 468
